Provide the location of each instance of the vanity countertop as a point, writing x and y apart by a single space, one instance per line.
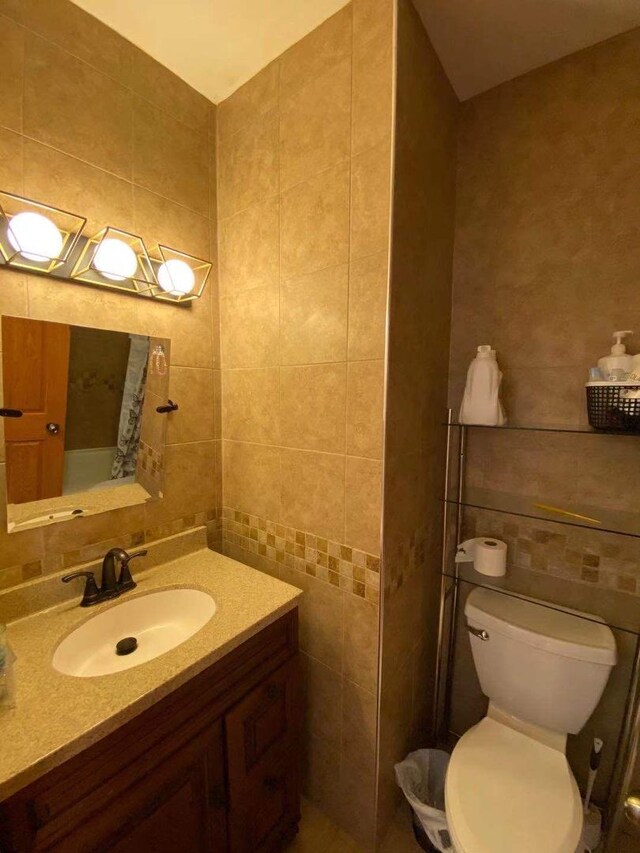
57 716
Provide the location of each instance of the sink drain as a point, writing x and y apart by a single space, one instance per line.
126 646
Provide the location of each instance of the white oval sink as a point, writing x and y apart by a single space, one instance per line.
159 621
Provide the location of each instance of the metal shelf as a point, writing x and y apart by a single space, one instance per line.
580 429
593 518
619 610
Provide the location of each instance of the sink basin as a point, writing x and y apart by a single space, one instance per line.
159 621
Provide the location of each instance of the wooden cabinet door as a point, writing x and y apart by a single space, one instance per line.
35 367
263 756
177 806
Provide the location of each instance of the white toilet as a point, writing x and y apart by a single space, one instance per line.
509 787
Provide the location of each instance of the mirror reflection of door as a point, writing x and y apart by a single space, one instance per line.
35 368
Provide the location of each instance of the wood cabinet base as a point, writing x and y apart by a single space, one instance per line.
213 767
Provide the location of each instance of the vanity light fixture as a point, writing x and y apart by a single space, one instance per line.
180 276
34 236
117 259
49 241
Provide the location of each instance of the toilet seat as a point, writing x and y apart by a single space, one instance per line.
506 792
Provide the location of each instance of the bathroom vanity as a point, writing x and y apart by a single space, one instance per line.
209 765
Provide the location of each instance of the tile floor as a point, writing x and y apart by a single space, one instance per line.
318 834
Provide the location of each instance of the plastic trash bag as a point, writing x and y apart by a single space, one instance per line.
421 776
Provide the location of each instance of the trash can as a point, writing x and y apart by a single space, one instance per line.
421 776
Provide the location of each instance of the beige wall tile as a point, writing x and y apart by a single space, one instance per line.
313 317
365 392
321 621
170 158
162 87
192 389
251 477
82 35
371 174
248 165
307 479
257 97
249 328
12 77
250 248
312 407
368 286
11 161
315 125
63 302
250 405
13 293
361 643
159 220
363 497
315 223
323 701
359 726
327 45
185 464
372 72
71 106
190 328
63 181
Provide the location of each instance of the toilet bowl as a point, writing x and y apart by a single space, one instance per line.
509 786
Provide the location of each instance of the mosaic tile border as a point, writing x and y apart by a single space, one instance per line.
597 558
355 571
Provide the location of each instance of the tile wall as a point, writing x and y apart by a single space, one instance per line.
545 267
90 123
419 321
304 157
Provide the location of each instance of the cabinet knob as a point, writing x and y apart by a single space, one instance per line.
274 691
53 429
272 783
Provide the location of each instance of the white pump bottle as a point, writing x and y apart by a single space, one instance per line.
619 363
481 402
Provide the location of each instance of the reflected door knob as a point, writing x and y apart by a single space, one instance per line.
632 808
53 429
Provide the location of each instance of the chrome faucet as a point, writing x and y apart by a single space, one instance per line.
109 586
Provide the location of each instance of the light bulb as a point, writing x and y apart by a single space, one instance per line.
176 277
115 259
34 236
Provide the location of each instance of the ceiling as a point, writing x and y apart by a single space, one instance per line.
482 43
215 45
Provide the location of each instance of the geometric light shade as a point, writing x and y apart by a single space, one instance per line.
35 236
180 277
117 259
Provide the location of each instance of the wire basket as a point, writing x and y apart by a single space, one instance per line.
614 406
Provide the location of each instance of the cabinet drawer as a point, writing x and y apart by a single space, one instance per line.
266 723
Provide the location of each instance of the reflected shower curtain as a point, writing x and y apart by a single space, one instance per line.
124 463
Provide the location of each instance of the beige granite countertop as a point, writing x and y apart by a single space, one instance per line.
56 716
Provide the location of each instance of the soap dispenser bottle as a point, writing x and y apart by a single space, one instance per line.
616 366
481 402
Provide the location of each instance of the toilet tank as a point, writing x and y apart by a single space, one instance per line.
543 665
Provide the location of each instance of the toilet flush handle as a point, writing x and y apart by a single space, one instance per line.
480 633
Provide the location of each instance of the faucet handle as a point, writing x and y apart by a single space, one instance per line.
126 581
91 591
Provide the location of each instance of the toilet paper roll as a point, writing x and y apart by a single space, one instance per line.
489 556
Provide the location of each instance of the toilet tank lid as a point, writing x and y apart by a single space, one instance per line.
556 630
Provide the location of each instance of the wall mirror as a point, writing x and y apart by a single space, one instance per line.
82 430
